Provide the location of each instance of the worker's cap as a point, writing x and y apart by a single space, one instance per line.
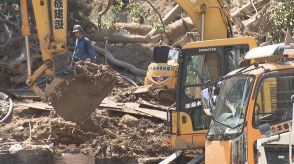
77 28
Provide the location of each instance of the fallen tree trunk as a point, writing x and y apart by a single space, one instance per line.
256 23
133 28
176 30
136 71
179 28
116 38
249 9
167 18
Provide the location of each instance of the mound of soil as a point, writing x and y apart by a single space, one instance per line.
102 135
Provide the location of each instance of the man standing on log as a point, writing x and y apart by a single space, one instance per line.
83 48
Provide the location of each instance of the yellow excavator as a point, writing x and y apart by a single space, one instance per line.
73 96
200 63
210 18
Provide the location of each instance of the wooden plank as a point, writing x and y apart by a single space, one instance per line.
155 113
67 158
37 105
120 107
107 103
133 108
142 90
155 106
128 111
22 93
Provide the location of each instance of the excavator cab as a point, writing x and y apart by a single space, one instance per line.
199 64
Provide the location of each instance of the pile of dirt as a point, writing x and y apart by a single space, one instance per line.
102 135
75 97
127 137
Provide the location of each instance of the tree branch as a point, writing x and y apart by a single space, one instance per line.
109 3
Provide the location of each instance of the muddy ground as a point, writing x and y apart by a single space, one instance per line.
104 135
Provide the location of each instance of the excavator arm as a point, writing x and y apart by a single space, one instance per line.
51 24
210 17
74 94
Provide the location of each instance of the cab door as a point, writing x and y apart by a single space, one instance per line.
197 68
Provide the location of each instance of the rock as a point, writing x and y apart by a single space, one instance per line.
129 120
151 131
71 147
15 147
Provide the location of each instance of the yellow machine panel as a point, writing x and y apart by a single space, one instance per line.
161 75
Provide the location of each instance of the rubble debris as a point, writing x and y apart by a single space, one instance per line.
128 120
101 135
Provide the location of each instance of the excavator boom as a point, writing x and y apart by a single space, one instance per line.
210 17
73 96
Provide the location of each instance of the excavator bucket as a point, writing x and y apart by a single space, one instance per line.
75 97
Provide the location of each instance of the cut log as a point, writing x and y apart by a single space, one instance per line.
179 28
133 28
120 63
248 9
175 31
256 23
116 38
167 19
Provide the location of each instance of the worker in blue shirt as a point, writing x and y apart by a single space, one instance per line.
83 48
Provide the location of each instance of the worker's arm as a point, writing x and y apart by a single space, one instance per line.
90 51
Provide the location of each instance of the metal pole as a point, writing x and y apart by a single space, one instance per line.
28 56
202 24
25 29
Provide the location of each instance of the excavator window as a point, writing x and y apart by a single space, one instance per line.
200 69
273 103
234 55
